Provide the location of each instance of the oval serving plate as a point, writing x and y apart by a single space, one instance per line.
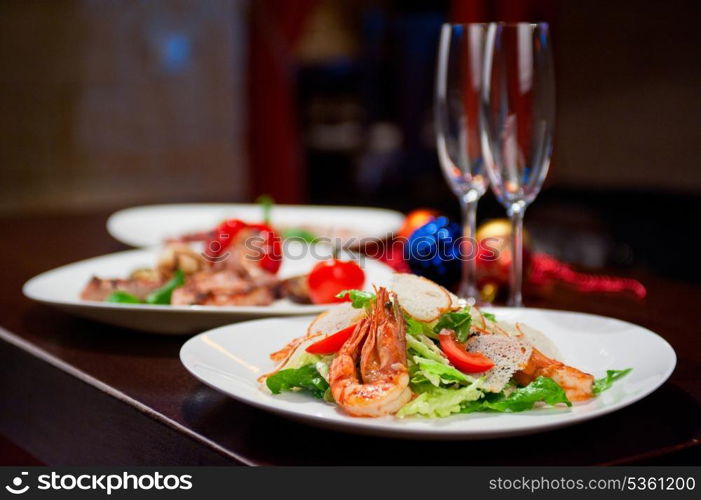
61 288
150 225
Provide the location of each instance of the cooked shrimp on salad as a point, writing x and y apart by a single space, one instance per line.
415 349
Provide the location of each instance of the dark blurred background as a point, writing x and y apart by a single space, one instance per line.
106 104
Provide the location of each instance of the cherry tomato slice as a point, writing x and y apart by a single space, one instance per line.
331 277
332 343
467 362
224 235
270 248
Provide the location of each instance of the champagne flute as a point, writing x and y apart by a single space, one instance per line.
517 119
458 81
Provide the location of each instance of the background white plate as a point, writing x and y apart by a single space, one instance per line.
61 288
232 357
150 225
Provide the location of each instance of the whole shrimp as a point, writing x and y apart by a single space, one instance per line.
379 343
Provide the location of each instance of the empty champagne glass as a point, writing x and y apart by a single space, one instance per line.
458 82
517 119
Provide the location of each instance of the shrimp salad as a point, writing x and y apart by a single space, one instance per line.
416 350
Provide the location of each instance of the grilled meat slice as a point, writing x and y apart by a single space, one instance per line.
99 289
224 288
296 289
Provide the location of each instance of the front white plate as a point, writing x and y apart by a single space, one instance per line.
61 288
149 225
231 358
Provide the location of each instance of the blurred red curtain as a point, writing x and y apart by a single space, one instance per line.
275 153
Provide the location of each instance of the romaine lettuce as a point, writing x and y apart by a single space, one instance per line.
423 346
306 378
524 398
435 401
437 373
602 384
416 328
358 298
457 321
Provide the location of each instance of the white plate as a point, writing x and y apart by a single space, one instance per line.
61 288
150 225
230 359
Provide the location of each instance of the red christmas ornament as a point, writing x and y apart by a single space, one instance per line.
541 270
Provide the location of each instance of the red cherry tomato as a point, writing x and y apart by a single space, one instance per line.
468 362
331 343
224 235
331 277
271 248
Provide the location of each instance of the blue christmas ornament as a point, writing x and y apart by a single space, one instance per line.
433 251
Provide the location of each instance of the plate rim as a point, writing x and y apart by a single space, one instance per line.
110 223
441 434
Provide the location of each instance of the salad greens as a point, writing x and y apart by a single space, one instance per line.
436 372
435 401
160 296
417 328
359 298
121 297
307 378
458 321
423 346
602 384
523 398
299 234
489 316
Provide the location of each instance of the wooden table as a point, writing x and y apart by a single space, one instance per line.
77 392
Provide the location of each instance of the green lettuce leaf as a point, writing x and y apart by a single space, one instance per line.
524 398
602 384
121 297
416 328
489 316
306 378
458 321
437 373
161 296
424 347
438 402
299 234
359 298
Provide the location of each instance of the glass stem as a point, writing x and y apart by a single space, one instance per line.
516 278
468 281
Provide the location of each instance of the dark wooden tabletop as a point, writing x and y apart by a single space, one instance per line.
74 391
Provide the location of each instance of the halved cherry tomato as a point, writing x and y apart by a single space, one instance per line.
332 343
331 277
468 362
224 234
270 247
